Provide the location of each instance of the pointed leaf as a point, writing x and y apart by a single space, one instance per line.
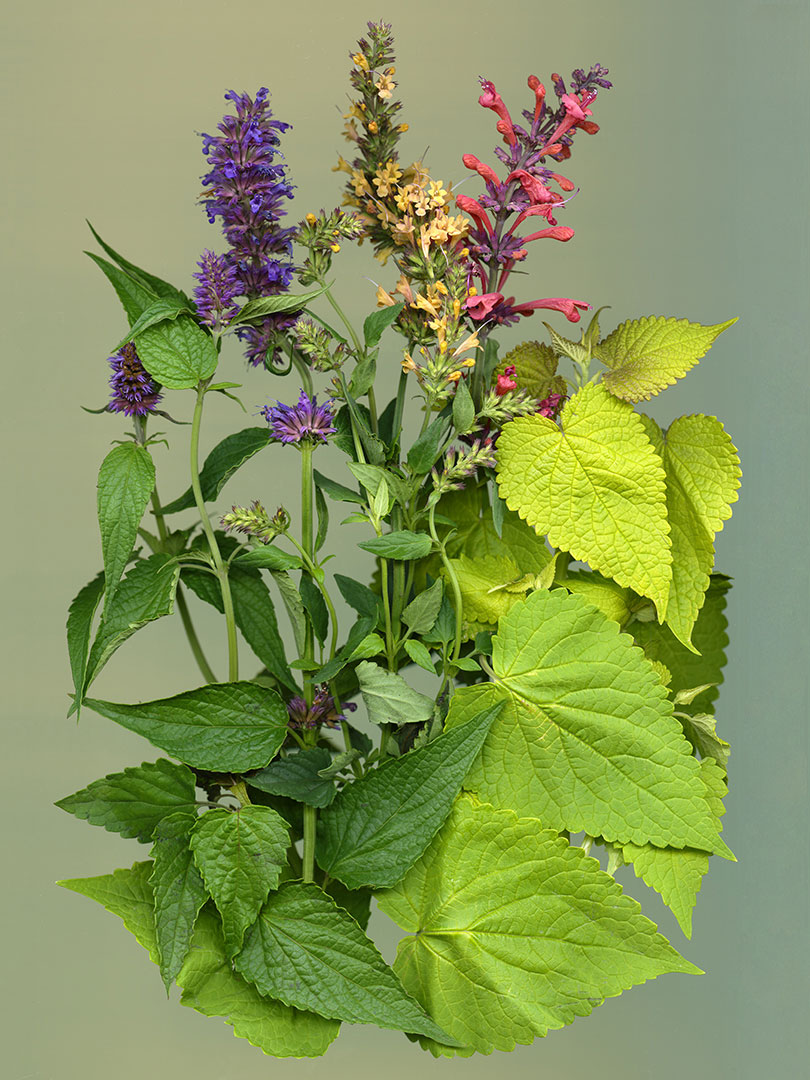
389 699
420 655
178 354
378 321
399 545
267 557
463 409
158 311
157 285
127 894
223 461
125 482
135 297
273 305
79 628
422 455
422 612
701 731
297 777
336 491
178 890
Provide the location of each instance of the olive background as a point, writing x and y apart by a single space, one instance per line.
693 203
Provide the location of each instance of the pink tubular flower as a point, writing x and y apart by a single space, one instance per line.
475 210
491 99
539 95
558 232
534 188
480 306
484 171
506 382
576 108
556 303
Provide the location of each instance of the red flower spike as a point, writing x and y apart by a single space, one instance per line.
475 210
480 306
534 188
504 127
491 99
489 175
505 382
557 303
559 232
589 126
539 95
563 181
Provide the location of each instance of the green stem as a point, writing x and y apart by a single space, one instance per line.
310 822
308 550
451 574
360 350
222 572
399 408
312 567
303 370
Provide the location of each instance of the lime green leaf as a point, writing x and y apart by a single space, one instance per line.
586 740
700 730
422 612
379 825
676 874
296 777
388 698
596 488
308 952
135 297
611 599
577 351
212 987
240 855
516 933
647 355
146 593
535 366
223 461
127 894
481 581
226 727
399 545
178 890
178 354
703 475
132 802
125 482
79 627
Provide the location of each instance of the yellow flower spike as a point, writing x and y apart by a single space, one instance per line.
335 248
373 127
454 376
385 86
408 364
456 308
402 128
342 165
404 289
360 61
311 219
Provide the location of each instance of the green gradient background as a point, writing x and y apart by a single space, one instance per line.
693 203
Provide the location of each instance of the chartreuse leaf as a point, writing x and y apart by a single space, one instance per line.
612 600
379 825
134 801
481 581
226 727
135 297
703 475
240 855
709 637
676 874
535 365
389 699
127 894
178 354
178 890
146 593
587 739
516 932
220 465
701 731
79 627
125 482
644 356
213 988
596 488
306 951
296 777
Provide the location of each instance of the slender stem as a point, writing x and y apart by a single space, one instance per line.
310 821
222 572
303 370
389 629
399 408
372 402
308 550
372 409
453 580
312 567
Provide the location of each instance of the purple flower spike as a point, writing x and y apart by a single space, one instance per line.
134 391
323 711
218 286
306 420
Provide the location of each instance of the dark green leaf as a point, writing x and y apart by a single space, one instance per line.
375 451
267 557
291 598
380 825
378 321
422 612
158 286
159 311
296 776
315 607
323 519
272 305
226 727
223 461
135 298
125 482
337 969
179 892
444 628
422 455
336 491
79 627
385 424
357 595
364 625
399 545
363 375
132 802
356 901
178 354
463 408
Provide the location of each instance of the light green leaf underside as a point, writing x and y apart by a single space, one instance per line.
701 731
586 740
127 894
125 482
676 874
179 892
644 356
240 855
535 366
703 475
306 951
596 488
388 697
518 933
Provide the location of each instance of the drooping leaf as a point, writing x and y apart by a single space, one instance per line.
644 356
267 557
315 607
134 801
422 612
145 594
701 731
381 824
178 354
240 855
213 988
135 297
125 482
535 366
399 545
178 890
273 305
516 932
357 595
225 727
703 475
79 628
389 699
297 777
338 972
596 488
220 465
336 491
587 739
127 894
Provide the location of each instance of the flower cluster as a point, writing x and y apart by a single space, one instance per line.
321 234
254 521
246 188
218 286
460 463
307 420
134 391
315 343
323 712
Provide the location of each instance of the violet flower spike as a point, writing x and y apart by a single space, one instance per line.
134 391
306 420
219 285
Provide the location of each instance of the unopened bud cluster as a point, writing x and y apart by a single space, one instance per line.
254 521
460 463
315 342
321 234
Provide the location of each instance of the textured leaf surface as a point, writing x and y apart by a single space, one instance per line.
399 545
611 599
644 356
380 825
307 952
178 354
220 465
517 933
157 312
134 801
125 482
389 699
535 365
127 894
296 776
79 627
178 890
596 488
701 731
227 727
482 582
676 874
586 740
146 593
703 475
240 855
213 988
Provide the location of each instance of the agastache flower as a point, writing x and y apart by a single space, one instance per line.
254 521
219 284
323 711
305 421
134 391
